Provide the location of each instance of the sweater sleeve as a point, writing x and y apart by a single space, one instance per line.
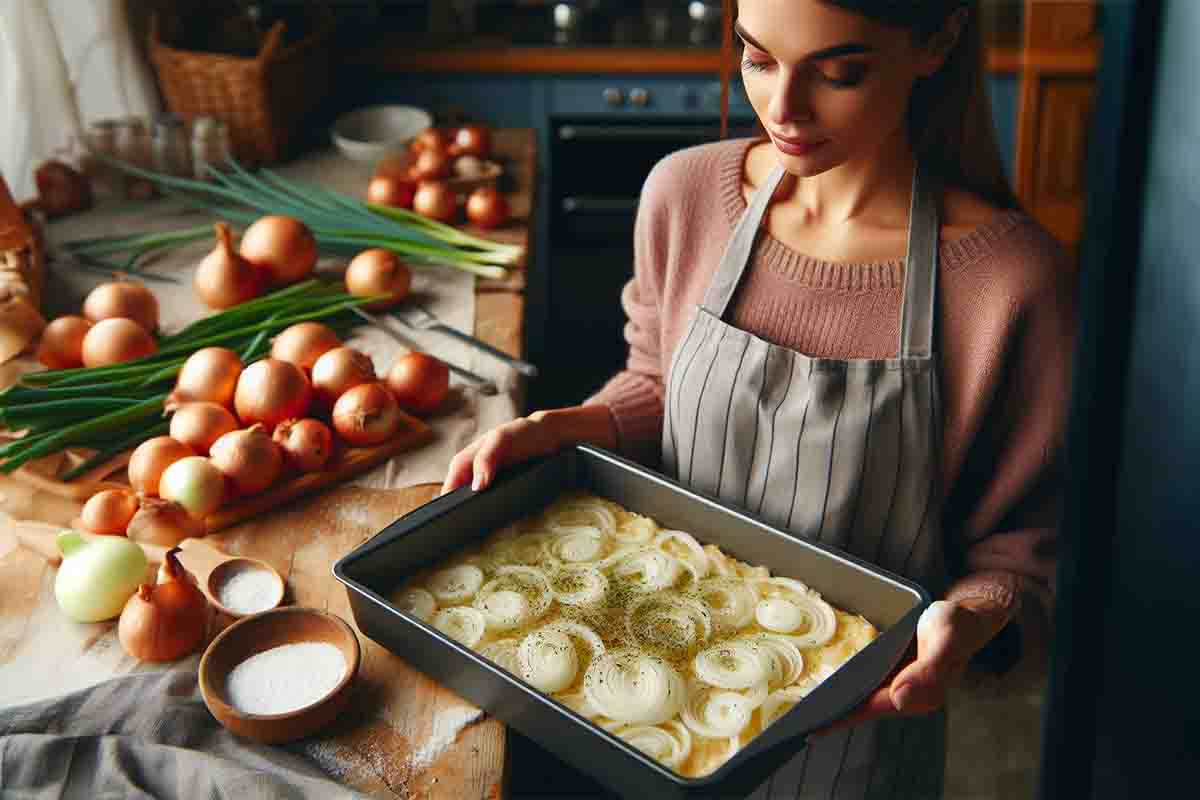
634 396
1003 511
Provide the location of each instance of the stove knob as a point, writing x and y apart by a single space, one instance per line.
639 97
614 96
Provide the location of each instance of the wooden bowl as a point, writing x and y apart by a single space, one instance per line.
254 634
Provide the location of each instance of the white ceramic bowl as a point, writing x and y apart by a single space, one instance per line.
369 134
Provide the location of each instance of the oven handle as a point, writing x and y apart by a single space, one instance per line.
595 204
636 133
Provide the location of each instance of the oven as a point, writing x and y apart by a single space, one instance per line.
603 144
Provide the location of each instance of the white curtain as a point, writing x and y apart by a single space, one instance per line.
63 65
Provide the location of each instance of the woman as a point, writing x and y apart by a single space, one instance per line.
849 329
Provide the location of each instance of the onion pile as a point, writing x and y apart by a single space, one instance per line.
209 374
61 346
225 278
124 300
114 341
282 247
303 343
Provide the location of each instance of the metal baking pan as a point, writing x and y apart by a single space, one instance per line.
448 524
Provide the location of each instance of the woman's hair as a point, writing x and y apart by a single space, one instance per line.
949 114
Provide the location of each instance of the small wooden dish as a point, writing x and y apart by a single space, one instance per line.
255 634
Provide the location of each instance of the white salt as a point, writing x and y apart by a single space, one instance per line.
285 678
248 590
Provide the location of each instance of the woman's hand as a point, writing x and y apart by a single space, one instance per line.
539 434
949 633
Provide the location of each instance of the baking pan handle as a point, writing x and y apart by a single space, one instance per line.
844 690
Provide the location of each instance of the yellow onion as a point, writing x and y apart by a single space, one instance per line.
163 522
224 278
366 415
151 459
109 511
166 621
209 374
283 247
115 341
303 343
339 371
195 483
378 273
122 299
270 391
249 458
306 443
61 346
200 424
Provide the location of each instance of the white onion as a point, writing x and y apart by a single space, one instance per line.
668 622
718 713
456 584
548 660
731 601
632 687
684 547
735 664
506 602
576 543
503 653
585 586
787 605
418 602
670 743
461 623
582 511
582 632
649 570
784 660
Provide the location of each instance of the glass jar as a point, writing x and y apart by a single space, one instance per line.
134 147
210 146
172 155
101 141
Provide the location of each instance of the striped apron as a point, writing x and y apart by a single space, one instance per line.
844 452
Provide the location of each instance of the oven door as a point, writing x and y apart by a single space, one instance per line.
598 168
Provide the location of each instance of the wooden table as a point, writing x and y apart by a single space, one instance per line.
403 735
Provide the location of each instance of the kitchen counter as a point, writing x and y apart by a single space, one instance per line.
403 735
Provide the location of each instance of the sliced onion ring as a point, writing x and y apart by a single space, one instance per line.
586 586
418 602
669 743
503 653
686 549
635 688
461 623
506 602
731 601
785 661
576 544
669 622
548 660
734 664
812 615
649 570
456 584
717 713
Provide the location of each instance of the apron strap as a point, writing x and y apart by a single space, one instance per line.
741 246
920 269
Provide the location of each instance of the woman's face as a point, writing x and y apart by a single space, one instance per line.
830 86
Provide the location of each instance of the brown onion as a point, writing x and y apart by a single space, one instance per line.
303 343
306 443
391 190
487 208
339 371
167 621
283 247
468 167
224 278
419 382
378 272
61 189
435 200
122 299
163 522
199 424
115 341
195 483
270 391
250 459
428 139
430 165
366 415
209 374
151 459
472 140
61 346
109 512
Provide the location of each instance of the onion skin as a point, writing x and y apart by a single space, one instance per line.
487 208
151 459
163 522
249 458
270 391
61 346
395 191
200 424
115 341
435 200
303 343
195 483
282 247
167 621
122 299
209 374
109 512
366 415
224 278
307 444
419 382
378 272
339 371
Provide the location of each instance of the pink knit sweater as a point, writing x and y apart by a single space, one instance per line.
1007 317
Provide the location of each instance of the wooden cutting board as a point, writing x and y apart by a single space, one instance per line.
402 736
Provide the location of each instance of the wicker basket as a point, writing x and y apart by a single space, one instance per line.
262 99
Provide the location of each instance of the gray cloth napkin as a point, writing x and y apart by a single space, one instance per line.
144 736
